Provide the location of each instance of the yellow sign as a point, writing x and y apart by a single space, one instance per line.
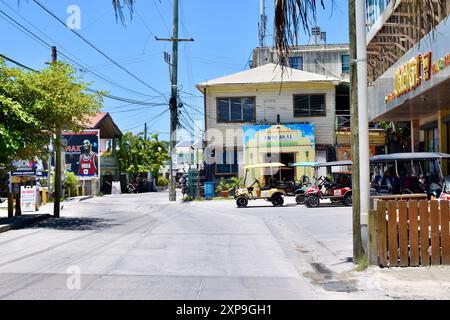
409 76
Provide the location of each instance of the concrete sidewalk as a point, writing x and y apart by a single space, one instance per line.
22 221
27 219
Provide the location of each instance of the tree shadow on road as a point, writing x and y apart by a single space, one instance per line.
74 224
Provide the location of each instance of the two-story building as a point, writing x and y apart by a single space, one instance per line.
109 134
409 70
268 114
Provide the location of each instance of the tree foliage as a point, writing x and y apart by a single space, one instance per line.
36 105
137 155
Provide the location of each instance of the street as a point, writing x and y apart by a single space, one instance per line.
143 247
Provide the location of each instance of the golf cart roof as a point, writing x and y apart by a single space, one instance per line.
410 156
265 165
304 164
334 164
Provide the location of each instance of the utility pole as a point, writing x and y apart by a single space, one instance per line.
173 99
58 162
145 132
358 251
363 111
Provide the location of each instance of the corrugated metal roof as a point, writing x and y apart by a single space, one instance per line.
268 74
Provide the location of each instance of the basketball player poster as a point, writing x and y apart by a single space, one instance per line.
81 153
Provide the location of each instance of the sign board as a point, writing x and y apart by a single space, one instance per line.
28 199
116 189
24 168
81 153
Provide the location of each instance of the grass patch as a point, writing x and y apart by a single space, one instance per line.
363 264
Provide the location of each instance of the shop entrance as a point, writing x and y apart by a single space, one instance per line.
287 173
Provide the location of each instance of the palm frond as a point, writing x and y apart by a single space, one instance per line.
120 5
290 16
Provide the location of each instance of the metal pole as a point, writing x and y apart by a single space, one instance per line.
173 101
58 161
363 109
10 197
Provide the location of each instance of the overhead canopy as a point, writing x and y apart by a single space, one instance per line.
334 164
410 156
304 164
265 165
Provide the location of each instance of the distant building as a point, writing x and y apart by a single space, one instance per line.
109 134
331 60
294 113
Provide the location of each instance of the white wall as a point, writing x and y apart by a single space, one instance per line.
269 103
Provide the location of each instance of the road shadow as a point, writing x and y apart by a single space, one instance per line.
74 224
271 206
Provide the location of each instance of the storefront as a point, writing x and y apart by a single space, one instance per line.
287 144
416 89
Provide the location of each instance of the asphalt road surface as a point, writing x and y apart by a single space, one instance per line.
143 247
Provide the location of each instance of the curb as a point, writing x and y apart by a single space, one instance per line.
24 223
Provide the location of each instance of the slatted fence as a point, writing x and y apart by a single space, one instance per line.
409 234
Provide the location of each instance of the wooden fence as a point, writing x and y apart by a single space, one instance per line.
409 234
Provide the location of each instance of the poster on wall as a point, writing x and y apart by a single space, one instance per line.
81 153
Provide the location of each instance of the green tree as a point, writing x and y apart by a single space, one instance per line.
36 106
21 136
137 155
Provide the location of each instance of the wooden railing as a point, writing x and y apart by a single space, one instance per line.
409 233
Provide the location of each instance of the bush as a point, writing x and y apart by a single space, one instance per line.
162 182
71 184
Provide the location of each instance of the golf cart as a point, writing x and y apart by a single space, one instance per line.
338 191
305 182
409 173
270 192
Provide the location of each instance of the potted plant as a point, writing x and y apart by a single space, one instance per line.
235 183
224 187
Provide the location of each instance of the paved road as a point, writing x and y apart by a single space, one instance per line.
143 247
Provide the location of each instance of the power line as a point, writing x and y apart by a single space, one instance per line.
148 121
130 101
17 63
24 29
95 47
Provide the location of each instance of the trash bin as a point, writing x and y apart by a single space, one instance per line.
209 190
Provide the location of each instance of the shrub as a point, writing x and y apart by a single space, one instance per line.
162 182
71 184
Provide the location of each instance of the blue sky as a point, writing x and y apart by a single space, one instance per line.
225 33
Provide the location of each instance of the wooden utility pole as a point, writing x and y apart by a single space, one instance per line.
173 99
358 250
58 161
145 132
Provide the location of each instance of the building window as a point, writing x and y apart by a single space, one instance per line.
228 163
345 63
296 63
236 109
309 106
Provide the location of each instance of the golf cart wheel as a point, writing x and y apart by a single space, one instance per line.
242 202
313 201
300 199
277 201
348 199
